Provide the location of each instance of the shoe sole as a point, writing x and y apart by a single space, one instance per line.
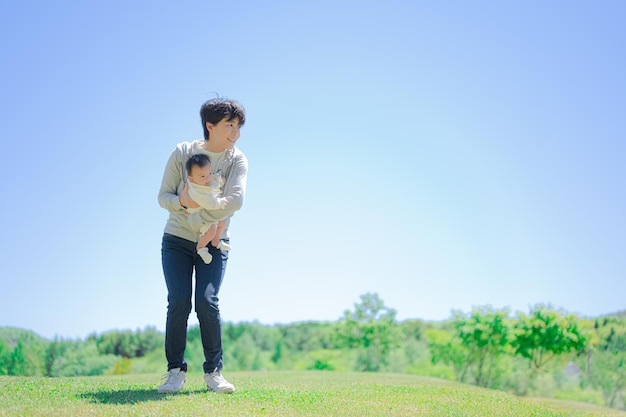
223 391
170 392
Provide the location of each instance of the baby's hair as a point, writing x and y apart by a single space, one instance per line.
199 160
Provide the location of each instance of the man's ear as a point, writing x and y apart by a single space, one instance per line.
209 127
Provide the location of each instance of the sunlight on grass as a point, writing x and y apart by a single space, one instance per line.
274 394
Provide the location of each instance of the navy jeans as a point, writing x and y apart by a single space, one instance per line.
179 260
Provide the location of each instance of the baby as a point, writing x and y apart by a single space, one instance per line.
205 189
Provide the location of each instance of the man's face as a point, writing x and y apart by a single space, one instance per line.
224 134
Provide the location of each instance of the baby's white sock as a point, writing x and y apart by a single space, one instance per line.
205 255
223 246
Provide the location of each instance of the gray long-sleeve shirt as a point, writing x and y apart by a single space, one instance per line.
231 164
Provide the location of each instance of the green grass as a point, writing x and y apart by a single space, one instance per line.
275 394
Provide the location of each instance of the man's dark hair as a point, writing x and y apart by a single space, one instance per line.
218 109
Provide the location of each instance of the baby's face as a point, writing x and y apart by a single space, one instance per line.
201 176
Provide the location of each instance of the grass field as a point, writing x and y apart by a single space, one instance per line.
275 394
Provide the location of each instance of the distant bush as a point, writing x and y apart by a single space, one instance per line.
77 358
127 343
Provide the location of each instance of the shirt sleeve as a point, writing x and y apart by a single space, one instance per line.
172 183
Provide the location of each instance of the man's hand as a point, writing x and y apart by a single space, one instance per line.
185 200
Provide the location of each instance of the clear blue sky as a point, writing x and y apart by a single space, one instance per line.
441 154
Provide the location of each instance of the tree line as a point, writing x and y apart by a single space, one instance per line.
546 352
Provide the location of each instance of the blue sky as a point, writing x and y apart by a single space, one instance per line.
441 154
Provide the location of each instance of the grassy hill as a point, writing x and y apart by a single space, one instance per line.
276 394
12 334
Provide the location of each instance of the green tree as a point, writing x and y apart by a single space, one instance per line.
54 356
371 328
130 344
484 336
5 357
307 336
148 340
606 364
446 348
84 359
17 360
412 329
24 353
26 360
278 352
544 334
245 353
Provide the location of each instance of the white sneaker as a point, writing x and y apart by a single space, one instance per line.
175 381
216 382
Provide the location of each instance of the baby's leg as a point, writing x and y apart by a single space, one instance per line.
206 237
221 225
203 241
